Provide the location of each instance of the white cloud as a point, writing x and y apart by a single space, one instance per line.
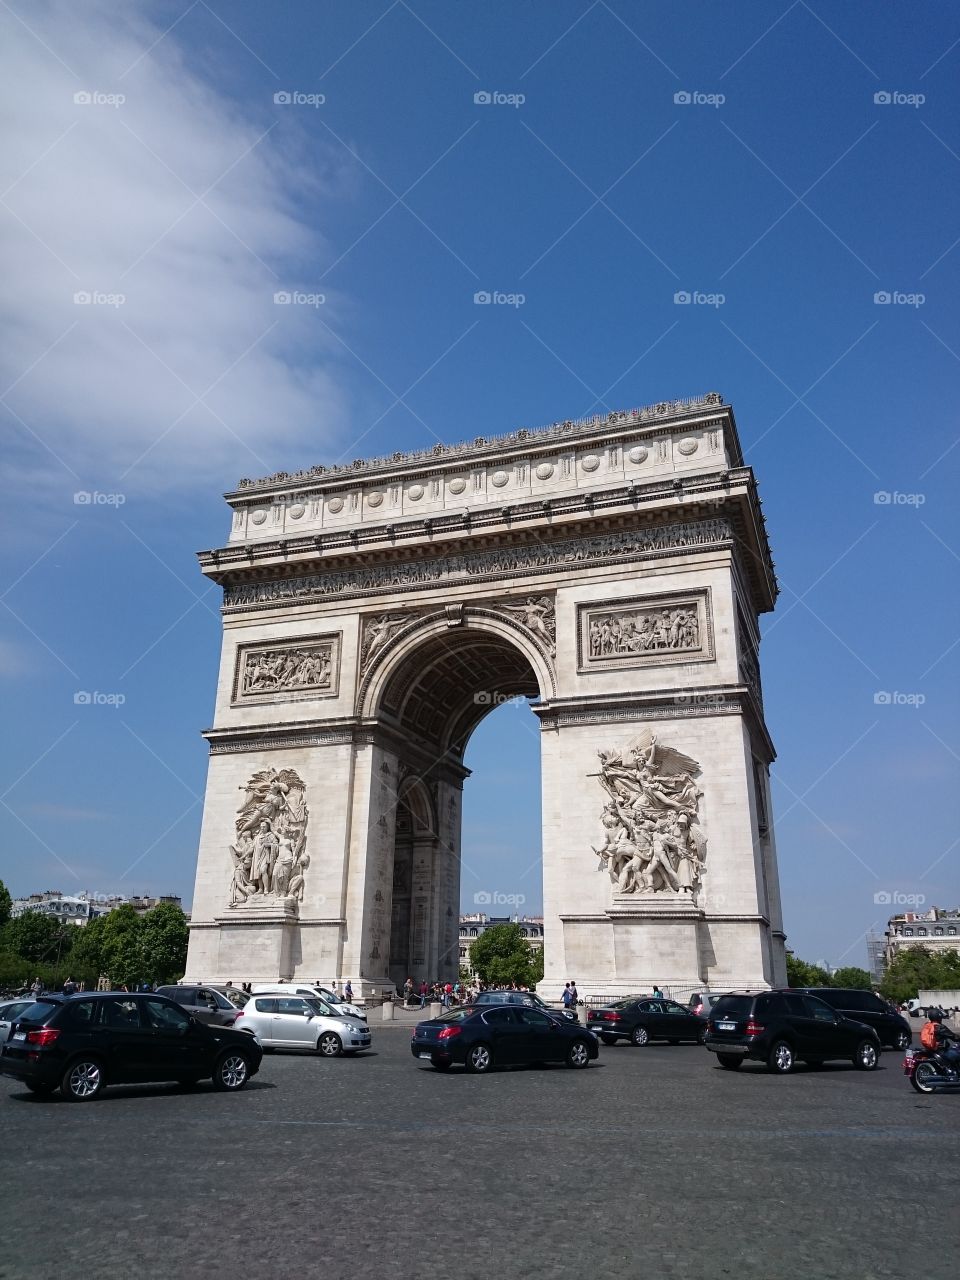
103 200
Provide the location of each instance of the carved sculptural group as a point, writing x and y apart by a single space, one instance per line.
281 670
644 631
653 841
270 858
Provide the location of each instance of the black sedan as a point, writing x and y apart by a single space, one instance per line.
86 1041
641 1019
481 1037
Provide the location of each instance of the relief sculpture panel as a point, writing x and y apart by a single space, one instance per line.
653 631
309 668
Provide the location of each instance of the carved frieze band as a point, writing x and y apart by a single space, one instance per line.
664 629
308 667
498 562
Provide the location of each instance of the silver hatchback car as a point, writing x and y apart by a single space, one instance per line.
281 1021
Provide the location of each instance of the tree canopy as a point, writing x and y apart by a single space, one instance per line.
6 903
915 969
502 955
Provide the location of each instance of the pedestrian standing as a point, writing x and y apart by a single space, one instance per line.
574 992
567 996
407 992
657 992
348 992
69 986
424 992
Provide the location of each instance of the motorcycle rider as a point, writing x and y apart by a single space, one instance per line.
940 1039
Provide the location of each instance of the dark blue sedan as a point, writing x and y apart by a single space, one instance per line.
481 1037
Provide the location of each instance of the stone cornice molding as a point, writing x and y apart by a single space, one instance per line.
594 429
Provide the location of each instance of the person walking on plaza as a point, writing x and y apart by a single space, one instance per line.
36 986
407 993
348 992
574 992
567 996
424 992
656 991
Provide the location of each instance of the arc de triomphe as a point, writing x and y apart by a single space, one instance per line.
611 569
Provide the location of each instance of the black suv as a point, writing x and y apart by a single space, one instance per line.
781 1027
528 998
85 1041
863 1006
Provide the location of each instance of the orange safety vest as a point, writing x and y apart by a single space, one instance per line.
928 1036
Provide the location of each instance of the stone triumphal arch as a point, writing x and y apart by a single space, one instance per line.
612 570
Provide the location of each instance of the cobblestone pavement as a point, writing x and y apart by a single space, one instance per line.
653 1162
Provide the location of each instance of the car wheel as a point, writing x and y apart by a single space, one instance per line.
329 1045
39 1086
609 1039
578 1055
903 1040
82 1080
479 1059
730 1061
867 1056
232 1071
440 1066
781 1058
639 1036
923 1076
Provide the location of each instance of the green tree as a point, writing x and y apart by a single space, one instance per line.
852 978
502 954
536 966
163 943
916 968
6 903
802 974
37 937
121 953
87 953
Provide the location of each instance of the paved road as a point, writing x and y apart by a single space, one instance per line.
651 1163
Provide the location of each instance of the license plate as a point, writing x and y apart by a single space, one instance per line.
19 1035
726 1026
425 1055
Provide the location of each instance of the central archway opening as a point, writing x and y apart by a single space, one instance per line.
434 694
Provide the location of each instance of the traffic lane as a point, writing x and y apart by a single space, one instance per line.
649 1152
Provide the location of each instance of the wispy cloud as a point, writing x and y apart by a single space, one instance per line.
193 208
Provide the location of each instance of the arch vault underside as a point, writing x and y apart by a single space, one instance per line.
621 599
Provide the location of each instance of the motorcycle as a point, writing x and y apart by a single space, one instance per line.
929 1072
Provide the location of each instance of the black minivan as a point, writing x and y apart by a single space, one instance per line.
863 1006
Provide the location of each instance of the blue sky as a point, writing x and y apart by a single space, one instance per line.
152 171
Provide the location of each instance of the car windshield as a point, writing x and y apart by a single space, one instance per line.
733 1007
318 1006
39 1011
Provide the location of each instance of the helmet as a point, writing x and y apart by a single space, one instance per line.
935 1015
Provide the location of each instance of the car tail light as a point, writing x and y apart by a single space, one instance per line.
753 1028
611 1017
46 1035
449 1032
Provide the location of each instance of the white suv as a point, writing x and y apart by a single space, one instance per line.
281 1020
308 989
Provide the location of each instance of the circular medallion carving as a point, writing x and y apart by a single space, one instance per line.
639 454
688 446
458 485
374 499
296 511
335 505
590 462
258 517
499 479
545 471
415 492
